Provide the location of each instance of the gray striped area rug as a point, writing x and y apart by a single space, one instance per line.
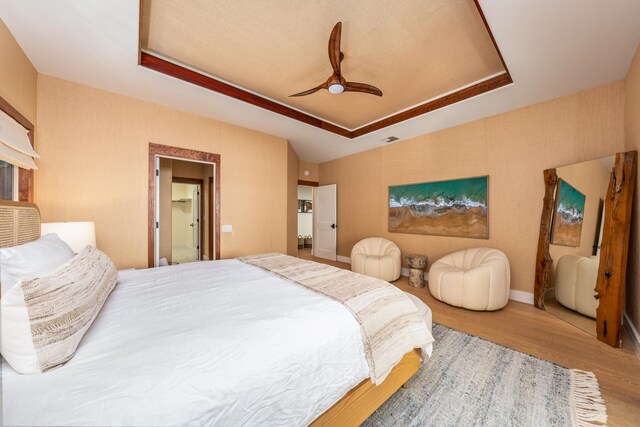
469 381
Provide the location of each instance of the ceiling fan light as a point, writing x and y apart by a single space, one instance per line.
336 88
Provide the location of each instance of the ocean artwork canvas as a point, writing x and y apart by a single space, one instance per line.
566 229
456 208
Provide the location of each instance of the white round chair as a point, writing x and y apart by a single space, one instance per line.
576 278
376 257
476 279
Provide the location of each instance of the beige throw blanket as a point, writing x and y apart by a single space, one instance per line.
63 305
390 323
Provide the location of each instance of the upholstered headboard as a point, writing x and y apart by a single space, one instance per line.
19 223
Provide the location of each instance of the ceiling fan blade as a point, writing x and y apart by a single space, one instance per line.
362 87
310 91
335 56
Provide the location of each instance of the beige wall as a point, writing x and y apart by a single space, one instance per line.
512 148
591 179
292 201
18 77
307 166
632 142
94 166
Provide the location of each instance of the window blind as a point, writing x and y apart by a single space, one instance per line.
15 146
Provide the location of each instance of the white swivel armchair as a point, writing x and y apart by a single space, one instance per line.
576 278
475 279
376 257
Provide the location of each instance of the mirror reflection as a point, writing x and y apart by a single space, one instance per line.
576 233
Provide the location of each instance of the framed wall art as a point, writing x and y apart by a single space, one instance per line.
568 215
456 208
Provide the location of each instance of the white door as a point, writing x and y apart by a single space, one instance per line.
324 222
195 224
156 220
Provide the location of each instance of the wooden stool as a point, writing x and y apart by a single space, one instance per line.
417 263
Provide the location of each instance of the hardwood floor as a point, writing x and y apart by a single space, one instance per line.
523 327
582 322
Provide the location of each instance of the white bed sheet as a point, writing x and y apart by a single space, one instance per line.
212 343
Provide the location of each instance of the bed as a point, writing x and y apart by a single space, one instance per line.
208 343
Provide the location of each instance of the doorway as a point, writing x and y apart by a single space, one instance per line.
305 221
187 221
184 205
182 226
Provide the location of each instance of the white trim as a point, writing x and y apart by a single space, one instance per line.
344 259
633 333
521 296
156 215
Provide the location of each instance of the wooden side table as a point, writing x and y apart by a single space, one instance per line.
417 263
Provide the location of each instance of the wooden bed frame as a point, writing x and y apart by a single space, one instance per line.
20 223
362 400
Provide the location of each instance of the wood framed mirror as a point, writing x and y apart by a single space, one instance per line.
584 241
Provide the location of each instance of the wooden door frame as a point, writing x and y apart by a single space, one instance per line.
210 213
200 182
179 154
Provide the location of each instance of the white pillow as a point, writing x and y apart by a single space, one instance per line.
32 259
44 318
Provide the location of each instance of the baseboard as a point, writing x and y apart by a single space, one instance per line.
344 259
633 333
521 296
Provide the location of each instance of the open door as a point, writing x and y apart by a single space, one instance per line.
324 222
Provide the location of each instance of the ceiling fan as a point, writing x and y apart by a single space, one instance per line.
336 83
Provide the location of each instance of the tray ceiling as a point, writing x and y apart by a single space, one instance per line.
414 51
552 48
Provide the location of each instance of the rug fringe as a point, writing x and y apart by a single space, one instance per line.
587 404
